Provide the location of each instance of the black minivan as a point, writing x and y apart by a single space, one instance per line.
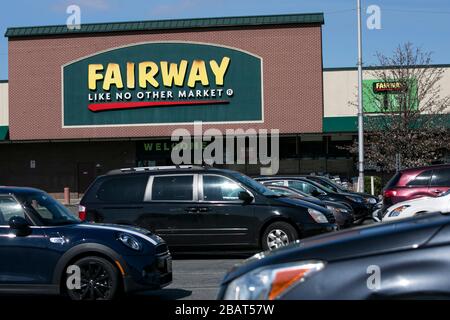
202 208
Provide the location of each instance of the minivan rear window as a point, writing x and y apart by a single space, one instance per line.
173 188
123 189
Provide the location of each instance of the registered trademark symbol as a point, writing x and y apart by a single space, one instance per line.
230 92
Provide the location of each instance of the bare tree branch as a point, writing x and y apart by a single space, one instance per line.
411 122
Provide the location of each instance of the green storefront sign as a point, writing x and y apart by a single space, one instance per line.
383 96
163 83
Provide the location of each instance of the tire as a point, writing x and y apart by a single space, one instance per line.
279 234
99 280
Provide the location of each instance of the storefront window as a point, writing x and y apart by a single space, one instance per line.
288 147
312 147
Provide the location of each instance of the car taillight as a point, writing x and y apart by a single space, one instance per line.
389 193
82 213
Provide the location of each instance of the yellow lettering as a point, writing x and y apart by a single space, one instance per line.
147 72
112 77
130 75
94 76
219 71
173 74
198 73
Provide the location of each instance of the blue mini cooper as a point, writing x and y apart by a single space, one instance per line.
44 249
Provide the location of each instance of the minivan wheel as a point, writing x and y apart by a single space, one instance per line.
99 280
278 234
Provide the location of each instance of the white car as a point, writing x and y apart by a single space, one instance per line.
413 207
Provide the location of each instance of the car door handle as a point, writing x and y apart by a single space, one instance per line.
191 210
437 191
204 209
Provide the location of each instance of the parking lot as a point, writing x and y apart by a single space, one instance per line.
195 278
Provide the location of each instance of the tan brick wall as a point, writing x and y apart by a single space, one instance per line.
292 64
341 88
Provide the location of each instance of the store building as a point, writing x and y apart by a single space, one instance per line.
82 102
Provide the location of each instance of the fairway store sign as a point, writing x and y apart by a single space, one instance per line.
389 87
385 96
163 83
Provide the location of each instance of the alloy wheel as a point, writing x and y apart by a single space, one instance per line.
96 282
277 238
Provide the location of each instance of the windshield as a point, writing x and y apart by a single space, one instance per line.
242 178
332 185
49 211
288 192
319 186
281 193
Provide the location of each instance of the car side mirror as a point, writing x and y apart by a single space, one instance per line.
245 196
20 225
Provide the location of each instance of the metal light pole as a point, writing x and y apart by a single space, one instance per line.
360 106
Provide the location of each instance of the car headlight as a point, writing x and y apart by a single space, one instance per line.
318 216
270 283
130 241
370 200
398 210
355 199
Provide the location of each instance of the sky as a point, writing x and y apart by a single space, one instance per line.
425 23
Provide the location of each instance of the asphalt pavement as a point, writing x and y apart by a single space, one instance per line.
195 278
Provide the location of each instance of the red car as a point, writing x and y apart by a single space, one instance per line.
414 183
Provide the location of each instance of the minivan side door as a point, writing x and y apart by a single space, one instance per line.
170 209
226 220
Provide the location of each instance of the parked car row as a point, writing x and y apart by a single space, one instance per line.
404 258
343 213
326 190
130 218
196 208
42 245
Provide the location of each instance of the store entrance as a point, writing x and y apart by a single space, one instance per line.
153 153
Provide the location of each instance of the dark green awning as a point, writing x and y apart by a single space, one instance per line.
222 22
4 130
350 123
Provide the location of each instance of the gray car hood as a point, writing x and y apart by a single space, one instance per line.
351 243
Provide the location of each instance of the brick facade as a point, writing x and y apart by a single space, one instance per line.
292 78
